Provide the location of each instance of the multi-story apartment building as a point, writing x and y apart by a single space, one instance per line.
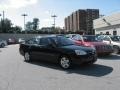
91 14
81 14
82 21
71 22
75 20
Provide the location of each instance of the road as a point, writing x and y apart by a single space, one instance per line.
15 74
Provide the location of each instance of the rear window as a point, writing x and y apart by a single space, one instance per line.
90 38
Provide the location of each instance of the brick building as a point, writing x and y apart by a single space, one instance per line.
81 21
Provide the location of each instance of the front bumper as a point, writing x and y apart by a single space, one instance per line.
21 51
83 58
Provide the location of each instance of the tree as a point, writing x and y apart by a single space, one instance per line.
5 25
35 24
29 26
17 29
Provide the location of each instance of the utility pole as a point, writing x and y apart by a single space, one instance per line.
3 15
24 15
1 25
3 29
54 18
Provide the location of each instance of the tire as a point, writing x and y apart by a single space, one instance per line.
65 62
115 49
2 45
27 57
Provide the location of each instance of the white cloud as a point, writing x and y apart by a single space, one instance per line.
18 3
46 20
48 12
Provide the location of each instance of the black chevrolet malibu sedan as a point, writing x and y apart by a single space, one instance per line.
58 49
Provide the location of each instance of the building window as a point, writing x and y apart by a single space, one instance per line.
107 33
101 33
114 32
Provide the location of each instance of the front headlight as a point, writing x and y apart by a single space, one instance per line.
80 52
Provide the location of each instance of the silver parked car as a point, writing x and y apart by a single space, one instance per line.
3 43
113 40
21 40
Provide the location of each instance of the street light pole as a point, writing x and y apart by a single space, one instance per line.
3 15
24 15
3 22
0 25
54 17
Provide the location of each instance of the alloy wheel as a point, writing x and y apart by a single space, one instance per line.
65 62
27 57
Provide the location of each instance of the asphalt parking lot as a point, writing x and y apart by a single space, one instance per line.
15 74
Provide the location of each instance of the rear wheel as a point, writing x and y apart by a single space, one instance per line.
65 62
27 57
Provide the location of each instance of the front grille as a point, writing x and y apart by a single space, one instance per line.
92 52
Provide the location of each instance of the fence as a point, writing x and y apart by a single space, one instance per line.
17 36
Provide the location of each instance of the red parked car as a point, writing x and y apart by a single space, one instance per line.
91 41
12 41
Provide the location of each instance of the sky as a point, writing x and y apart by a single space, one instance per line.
44 9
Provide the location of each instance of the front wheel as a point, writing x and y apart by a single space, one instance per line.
65 62
2 45
27 57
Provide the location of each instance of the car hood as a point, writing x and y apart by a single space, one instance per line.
116 43
75 47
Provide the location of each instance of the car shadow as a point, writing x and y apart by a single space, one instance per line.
3 47
110 57
95 70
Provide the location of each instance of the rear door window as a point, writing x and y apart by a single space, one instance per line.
44 41
33 41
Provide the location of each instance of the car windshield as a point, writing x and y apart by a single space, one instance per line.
115 38
70 36
90 38
62 41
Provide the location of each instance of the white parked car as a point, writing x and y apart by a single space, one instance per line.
21 40
3 43
111 39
